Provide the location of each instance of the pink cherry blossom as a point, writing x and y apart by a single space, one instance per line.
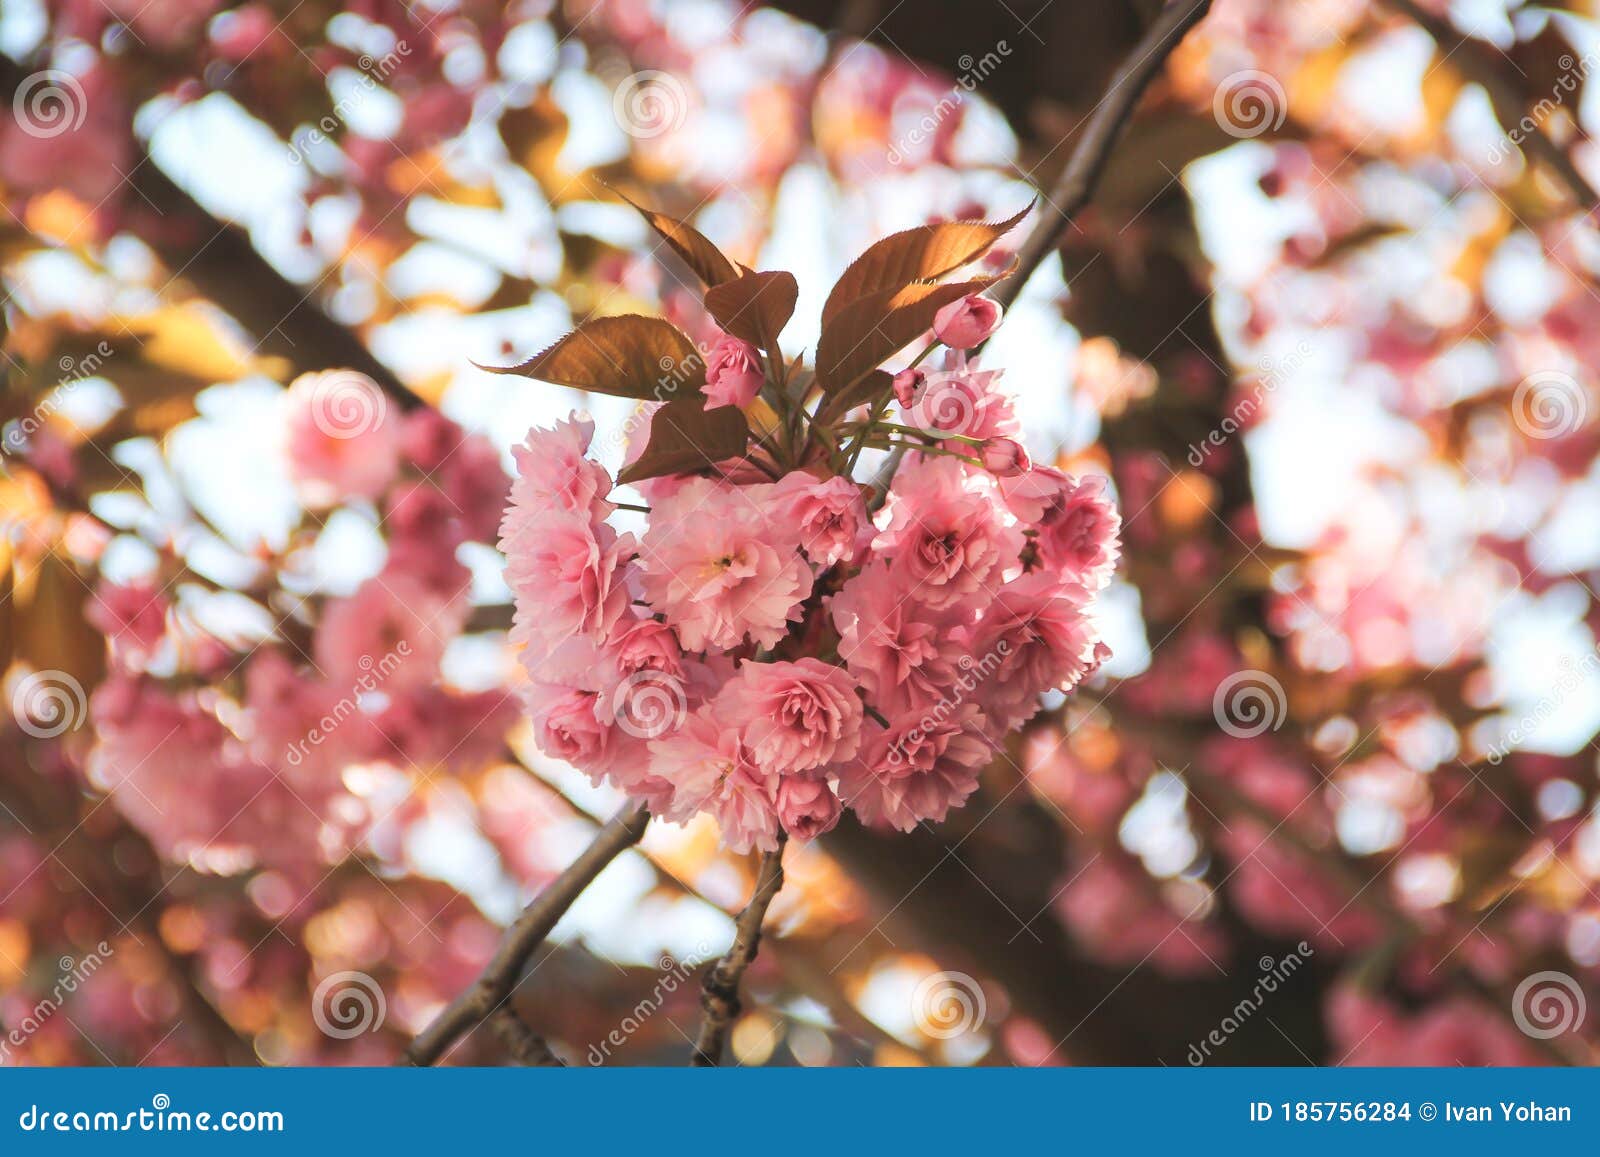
1078 525
794 716
733 374
947 537
710 769
722 567
968 322
343 441
1035 636
392 630
132 614
904 652
807 806
570 576
829 516
917 768
1005 457
553 475
963 402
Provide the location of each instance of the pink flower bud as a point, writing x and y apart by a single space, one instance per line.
733 374
1006 458
907 385
966 323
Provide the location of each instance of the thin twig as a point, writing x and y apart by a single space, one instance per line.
526 1046
1087 164
1505 94
719 992
538 919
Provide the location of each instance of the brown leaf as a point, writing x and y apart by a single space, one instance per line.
925 253
627 357
685 438
755 307
708 262
874 328
871 388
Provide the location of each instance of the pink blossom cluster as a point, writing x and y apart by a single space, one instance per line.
250 769
773 648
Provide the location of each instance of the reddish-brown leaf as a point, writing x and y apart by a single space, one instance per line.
926 253
755 306
871 330
628 357
708 262
685 438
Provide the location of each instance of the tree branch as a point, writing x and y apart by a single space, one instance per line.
719 992
525 1045
1505 94
1101 133
538 919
